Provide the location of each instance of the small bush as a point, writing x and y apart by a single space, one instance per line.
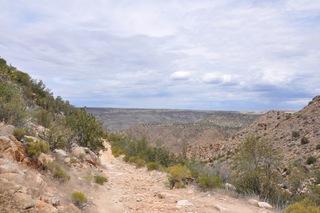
37 148
304 206
78 199
311 160
58 172
207 183
27 139
295 134
61 174
177 176
318 147
153 166
100 179
19 134
304 140
136 161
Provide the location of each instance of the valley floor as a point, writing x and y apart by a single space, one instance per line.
137 190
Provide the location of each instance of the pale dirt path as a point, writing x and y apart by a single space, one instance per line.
137 190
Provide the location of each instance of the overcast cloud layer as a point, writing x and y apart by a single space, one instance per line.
195 54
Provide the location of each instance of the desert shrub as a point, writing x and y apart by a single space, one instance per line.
117 151
78 199
304 206
44 118
138 162
209 182
254 167
100 179
37 148
304 140
27 139
311 160
61 174
58 172
153 166
59 135
12 105
318 147
19 134
295 134
177 176
88 132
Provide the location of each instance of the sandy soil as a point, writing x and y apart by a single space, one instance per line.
138 190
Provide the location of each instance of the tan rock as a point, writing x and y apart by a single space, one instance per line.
264 205
253 202
44 207
23 201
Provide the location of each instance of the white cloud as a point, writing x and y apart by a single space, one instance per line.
180 75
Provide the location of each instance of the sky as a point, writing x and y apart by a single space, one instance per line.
177 54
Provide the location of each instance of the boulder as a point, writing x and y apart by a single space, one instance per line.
221 208
230 187
264 205
78 151
23 201
61 153
253 202
45 207
183 203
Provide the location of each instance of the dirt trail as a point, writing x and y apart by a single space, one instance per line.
138 190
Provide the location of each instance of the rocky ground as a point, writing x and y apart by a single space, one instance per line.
28 185
138 190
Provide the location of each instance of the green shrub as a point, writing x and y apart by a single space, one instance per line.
19 134
27 139
304 140
37 148
100 179
311 160
304 206
153 166
177 176
138 162
78 199
61 174
207 183
58 172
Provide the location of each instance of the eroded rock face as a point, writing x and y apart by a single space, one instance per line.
12 149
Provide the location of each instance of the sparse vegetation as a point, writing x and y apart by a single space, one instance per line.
100 179
78 199
304 140
255 168
19 134
209 182
311 160
37 148
153 166
178 175
295 134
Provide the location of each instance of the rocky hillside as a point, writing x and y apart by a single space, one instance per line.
44 183
296 134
